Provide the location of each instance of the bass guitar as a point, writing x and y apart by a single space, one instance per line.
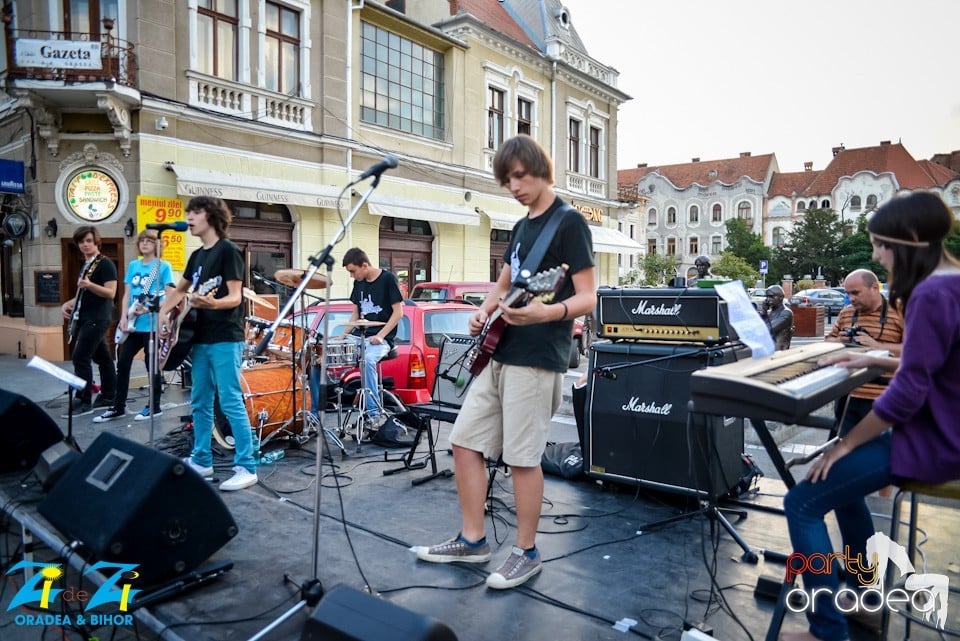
542 286
74 326
172 350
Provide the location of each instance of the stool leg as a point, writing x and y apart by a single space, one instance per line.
888 579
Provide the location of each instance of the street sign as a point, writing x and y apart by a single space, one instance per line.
763 266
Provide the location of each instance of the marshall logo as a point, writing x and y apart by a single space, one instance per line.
635 405
646 308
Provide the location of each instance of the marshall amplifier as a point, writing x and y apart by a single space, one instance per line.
636 419
688 315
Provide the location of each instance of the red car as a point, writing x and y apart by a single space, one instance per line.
475 293
419 335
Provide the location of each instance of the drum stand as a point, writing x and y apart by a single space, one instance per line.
311 590
363 404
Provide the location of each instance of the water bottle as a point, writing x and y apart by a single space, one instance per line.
271 457
255 443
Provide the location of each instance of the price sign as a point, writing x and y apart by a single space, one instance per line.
157 209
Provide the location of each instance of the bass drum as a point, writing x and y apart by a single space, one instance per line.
268 393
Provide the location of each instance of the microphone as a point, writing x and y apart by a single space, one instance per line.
457 381
390 162
180 225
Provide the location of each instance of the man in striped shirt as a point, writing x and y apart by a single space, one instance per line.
868 321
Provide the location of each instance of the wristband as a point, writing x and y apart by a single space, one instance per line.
564 317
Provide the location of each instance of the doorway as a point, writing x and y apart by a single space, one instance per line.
72 261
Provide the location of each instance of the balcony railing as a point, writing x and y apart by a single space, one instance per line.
118 60
246 101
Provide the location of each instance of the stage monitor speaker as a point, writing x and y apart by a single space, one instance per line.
636 413
54 463
129 503
346 614
25 432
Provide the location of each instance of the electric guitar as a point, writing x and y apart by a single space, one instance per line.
543 286
181 322
124 331
74 326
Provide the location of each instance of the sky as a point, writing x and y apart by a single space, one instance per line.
714 78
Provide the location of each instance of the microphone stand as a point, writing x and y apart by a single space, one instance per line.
152 355
311 590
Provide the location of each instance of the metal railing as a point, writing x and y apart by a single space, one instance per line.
118 58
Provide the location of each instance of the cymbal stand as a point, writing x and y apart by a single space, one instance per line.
311 590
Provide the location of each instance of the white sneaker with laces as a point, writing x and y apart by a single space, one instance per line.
241 479
199 469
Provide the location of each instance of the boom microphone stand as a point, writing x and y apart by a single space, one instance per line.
311 591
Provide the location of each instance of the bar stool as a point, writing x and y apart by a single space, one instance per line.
363 405
916 489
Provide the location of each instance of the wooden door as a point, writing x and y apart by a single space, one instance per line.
72 261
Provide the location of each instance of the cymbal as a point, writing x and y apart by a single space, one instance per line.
364 323
292 278
255 297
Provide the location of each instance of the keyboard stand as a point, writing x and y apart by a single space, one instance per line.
425 416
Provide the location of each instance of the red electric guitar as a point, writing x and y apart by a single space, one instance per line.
543 286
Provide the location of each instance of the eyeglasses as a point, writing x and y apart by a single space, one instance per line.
147 240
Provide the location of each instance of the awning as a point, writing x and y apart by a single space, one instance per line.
397 207
501 221
195 181
612 242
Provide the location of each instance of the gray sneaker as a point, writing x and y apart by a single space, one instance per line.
516 570
456 549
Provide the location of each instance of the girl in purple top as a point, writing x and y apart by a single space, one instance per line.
919 405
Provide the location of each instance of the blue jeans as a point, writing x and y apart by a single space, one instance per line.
373 354
851 479
216 369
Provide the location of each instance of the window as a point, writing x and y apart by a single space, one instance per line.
524 116
825 204
217 38
573 148
671 215
652 246
494 118
801 206
282 55
694 248
715 245
855 203
779 236
594 152
632 231
631 261
619 260
694 214
652 216
401 83
671 247
871 202
744 211
717 215
812 205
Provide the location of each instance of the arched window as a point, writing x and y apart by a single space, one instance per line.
694 246
694 214
855 203
717 213
652 216
825 204
812 205
801 206
745 212
779 236
671 215
871 202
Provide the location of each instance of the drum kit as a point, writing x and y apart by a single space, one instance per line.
276 384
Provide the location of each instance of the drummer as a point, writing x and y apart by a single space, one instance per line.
377 299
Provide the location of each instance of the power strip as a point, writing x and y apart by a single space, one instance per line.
694 634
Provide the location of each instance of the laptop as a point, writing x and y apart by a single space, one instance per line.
451 383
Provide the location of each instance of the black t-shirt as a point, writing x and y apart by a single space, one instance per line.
93 307
546 345
375 301
225 260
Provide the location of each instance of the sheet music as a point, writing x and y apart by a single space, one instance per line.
744 318
58 373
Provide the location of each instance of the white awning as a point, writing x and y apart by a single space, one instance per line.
501 221
612 242
195 181
422 210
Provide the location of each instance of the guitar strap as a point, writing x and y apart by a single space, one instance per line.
531 263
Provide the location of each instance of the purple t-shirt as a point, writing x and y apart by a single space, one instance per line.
923 399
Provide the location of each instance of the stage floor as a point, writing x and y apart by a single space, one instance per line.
612 553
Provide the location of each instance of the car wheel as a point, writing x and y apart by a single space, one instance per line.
574 354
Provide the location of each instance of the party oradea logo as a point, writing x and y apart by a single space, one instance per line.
45 588
925 593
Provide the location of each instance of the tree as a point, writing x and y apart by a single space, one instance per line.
657 269
744 243
856 252
731 266
813 247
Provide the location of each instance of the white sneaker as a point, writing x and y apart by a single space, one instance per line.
199 469
241 479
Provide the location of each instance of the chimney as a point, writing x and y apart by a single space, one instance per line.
744 154
884 143
641 165
808 166
837 150
694 160
454 7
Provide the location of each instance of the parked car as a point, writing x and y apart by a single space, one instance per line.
420 334
475 293
757 296
829 298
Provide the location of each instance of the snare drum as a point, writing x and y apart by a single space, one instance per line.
341 352
268 391
254 328
287 341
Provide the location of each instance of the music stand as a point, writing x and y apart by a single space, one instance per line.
74 383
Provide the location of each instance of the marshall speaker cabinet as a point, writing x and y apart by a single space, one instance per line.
637 428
